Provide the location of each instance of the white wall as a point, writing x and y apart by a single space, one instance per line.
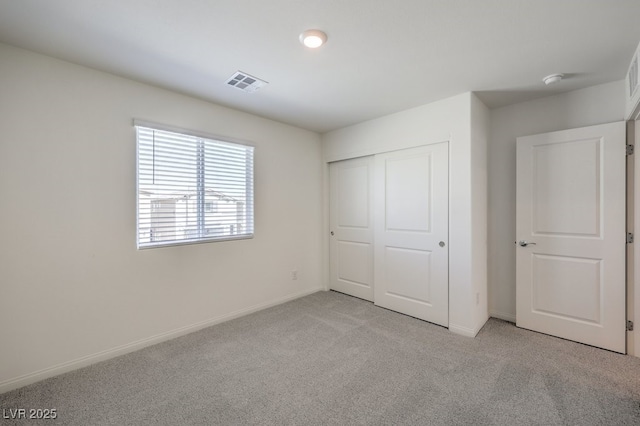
73 287
590 106
446 120
480 121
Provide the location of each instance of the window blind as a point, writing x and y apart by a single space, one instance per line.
192 188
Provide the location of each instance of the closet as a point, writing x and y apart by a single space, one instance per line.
397 253
389 230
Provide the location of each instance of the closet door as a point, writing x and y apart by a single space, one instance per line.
411 232
351 225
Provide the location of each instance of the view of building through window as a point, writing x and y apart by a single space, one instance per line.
192 188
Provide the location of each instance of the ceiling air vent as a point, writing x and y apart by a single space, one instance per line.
245 82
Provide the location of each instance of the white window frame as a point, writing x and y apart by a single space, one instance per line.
200 194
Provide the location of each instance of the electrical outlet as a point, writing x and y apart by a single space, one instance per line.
294 274
477 298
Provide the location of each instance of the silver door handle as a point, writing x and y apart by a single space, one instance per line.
524 243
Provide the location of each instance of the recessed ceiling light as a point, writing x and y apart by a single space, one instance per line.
313 38
553 78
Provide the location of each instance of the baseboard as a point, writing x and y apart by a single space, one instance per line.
503 316
84 361
463 331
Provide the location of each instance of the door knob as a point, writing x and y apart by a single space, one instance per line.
524 243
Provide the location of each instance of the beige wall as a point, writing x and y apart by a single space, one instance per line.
73 287
590 106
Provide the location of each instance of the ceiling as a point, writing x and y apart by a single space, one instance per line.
382 56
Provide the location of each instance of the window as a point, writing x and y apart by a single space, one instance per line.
192 188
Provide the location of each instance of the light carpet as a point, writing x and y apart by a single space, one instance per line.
333 359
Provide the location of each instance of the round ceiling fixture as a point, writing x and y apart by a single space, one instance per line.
553 78
313 38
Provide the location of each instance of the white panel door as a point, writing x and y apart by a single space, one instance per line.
570 261
351 225
411 232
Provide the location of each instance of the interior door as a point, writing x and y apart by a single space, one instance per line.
411 232
351 225
570 230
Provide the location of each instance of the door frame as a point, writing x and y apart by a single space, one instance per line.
633 255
